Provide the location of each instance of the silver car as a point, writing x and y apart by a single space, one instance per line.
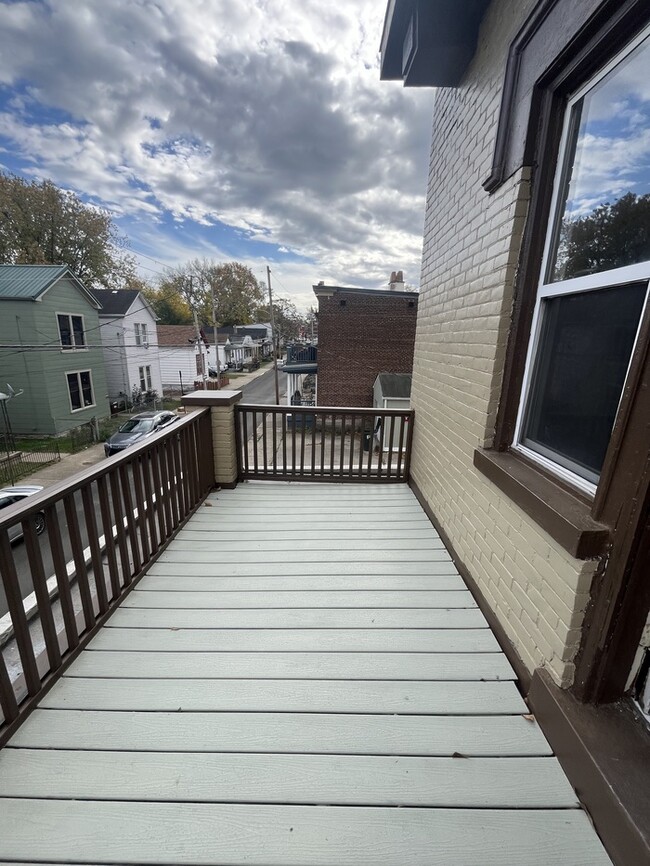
10 495
137 428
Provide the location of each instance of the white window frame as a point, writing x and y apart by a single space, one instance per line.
614 278
78 373
141 334
144 374
74 347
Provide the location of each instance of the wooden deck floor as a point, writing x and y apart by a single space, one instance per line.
301 678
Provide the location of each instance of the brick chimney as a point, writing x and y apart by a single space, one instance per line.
397 281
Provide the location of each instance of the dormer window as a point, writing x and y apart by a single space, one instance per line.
71 331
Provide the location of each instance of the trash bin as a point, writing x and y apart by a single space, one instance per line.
367 441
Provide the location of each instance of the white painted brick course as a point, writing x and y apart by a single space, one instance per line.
472 245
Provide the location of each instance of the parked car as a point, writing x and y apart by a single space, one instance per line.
136 429
212 369
9 495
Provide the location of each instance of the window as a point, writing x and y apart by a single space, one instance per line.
141 337
71 331
80 390
595 274
145 378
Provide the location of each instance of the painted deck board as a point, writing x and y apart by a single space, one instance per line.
176 639
190 616
335 666
308 779
316 599
284 733
154 582
286 696
199 833
300 661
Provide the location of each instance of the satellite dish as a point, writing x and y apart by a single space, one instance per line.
10 393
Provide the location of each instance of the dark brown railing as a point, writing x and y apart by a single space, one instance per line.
297 443
94 533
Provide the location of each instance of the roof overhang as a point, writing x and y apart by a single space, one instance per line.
429 43
300 368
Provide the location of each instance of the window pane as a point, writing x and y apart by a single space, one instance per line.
582 359
78 330
64 331
87 389
73 388
603 219
136 328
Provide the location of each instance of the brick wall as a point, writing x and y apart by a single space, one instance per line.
471 248
369 333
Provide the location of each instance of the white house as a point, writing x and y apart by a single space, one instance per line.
127 326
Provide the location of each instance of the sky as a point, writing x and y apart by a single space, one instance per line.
248 130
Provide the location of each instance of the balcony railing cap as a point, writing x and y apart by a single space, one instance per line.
211 398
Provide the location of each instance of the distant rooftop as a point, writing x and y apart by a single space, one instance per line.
115 302
28 282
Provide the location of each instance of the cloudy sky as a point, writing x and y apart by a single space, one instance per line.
255 130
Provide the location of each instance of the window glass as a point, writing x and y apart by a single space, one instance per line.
141 425
74 391
65 331
78 331
87 388
584 351
603 218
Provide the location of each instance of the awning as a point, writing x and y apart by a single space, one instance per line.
299 368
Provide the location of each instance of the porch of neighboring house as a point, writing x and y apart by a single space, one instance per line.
278 673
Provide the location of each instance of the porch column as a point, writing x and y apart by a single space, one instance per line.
224 442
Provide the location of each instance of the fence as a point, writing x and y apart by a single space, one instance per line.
94 533
323 444
17 464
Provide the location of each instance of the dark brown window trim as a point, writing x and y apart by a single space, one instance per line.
605 752
517 47
565 516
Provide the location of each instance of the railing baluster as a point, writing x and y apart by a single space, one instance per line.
244 421
264 442
127 498
293 443
371 447
191 463
313 445
274 416
14 598
362 439
323 428
118 513
400 456
353 422
332 445
284 444
109 542
382 432
254 437
391 442
344 424
159 505
81 570
178 478
62 579
39 582
141 519
8 702
409 444
303 436
171 487
93 543
145 464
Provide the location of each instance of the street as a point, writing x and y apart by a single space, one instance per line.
262 389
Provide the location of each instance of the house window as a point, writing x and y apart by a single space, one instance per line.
80 390
141 336
145 378
71 331
595 274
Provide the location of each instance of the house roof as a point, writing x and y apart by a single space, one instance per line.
29 282
115 302
176 336
429 43
322 290
395 385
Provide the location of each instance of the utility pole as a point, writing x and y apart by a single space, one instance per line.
199 339
216 335
275 350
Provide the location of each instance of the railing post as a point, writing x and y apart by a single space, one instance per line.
224 442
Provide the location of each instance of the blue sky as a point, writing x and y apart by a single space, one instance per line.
255 130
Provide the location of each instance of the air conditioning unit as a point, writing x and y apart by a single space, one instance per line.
145 344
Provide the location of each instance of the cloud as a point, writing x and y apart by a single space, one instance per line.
263 115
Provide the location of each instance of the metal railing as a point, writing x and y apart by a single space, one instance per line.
295 443
95 534
15 465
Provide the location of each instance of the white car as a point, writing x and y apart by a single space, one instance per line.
9 495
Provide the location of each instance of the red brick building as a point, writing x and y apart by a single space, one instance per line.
361 333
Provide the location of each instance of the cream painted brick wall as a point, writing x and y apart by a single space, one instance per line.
471 249
224 444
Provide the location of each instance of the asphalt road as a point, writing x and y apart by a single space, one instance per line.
262 389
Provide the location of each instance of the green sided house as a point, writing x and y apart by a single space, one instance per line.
50 349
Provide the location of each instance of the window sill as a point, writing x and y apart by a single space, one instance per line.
565 517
